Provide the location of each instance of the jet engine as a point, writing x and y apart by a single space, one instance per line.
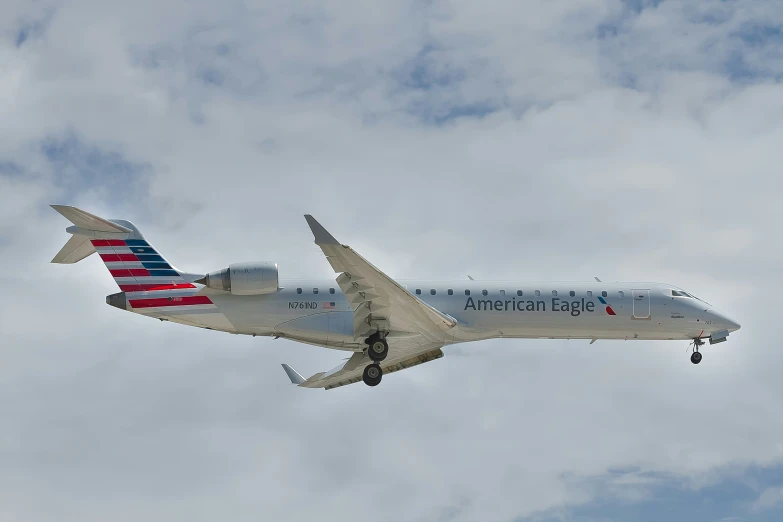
244 279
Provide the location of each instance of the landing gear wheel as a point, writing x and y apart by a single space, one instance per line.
696 357
372 375
378 350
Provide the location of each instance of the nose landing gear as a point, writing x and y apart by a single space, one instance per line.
696 355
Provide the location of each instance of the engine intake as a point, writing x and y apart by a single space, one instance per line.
244 279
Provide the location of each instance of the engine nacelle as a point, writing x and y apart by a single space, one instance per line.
244 279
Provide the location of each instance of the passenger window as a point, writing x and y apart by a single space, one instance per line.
467 292
572 293
451 292
331 290
620 293
315 290
502 293
538 293
432 291
298 290
519 292
589 293
554 292
418 291
604 294
484 292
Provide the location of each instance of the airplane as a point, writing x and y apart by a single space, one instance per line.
386 325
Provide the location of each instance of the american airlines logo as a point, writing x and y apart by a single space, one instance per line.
575 307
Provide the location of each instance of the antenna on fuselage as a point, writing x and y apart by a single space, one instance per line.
470 278
598 280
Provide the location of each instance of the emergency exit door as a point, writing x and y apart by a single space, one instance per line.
641 304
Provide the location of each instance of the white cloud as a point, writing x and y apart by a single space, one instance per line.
237 119
770 498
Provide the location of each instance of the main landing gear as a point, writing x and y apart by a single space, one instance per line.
372 374
377 350
696 355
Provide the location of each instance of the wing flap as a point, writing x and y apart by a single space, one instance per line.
351 371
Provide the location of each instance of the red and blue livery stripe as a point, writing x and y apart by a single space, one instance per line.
139 269
608 308
161 302
151 285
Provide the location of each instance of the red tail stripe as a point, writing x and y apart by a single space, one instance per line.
153 287
170 301
107 242
132 272
119 257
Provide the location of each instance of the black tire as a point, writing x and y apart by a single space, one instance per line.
378 350
696 357
372 375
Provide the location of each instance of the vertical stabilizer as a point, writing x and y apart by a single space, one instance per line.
149 284
135 265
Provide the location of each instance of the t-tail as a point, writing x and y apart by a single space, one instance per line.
149 284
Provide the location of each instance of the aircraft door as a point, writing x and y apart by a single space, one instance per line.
641 304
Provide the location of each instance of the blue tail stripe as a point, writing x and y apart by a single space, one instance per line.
136 243
150 257
143 250
161 273
156 265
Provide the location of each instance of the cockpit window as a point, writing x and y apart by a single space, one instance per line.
680 293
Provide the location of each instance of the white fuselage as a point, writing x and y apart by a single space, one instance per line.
389 324
316 312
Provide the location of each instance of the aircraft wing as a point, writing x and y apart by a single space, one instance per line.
379 302
403 353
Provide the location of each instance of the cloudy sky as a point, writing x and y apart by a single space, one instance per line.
630 140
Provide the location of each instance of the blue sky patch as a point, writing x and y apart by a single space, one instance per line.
78 167
631 496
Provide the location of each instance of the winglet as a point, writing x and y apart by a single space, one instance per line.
293 375
322 237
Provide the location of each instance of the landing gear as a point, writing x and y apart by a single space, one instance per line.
696 355
378 348
372 374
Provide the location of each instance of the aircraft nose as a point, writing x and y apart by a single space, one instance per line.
725 321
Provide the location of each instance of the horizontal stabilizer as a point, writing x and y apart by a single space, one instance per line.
293 375
88 221
76 249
